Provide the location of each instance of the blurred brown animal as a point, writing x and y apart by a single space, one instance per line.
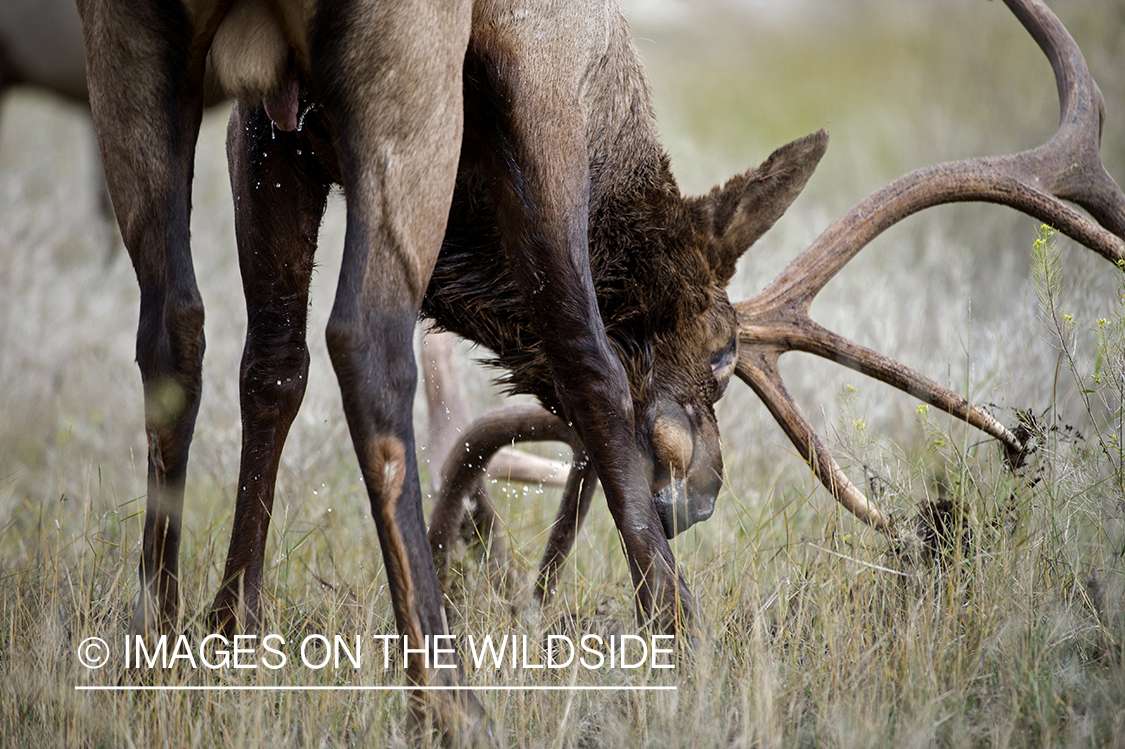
41 47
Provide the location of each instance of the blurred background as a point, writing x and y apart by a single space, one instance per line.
898 85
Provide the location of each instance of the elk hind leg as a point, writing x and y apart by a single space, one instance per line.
280 192
146 110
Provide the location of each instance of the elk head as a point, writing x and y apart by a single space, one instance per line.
660 264
679 338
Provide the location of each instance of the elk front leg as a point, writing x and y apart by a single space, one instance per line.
391 83
280 191
594 393
145 97
539 146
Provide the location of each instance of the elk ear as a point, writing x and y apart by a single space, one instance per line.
738 213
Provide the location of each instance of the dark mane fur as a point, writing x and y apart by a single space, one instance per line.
648 267
644 271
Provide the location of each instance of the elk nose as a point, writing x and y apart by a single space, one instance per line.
681 506
703 501
689 474
673 508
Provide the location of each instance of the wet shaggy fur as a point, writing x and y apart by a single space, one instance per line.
649 264
646 281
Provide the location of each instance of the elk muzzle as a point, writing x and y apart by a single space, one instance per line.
687 466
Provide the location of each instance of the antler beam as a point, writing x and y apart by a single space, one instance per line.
1036 182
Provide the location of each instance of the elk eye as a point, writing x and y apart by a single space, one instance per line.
722 366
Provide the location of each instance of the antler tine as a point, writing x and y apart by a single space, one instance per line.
812 338
465 466
763 337
580 485
758 369
512 464
1036 182
493 431
1078 173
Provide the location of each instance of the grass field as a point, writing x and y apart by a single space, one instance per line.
812 630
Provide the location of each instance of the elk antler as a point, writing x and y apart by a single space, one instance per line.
466 466
1036 182
449 417
488 434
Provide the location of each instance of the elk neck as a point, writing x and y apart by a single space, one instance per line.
648 266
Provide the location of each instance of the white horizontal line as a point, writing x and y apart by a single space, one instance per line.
234 688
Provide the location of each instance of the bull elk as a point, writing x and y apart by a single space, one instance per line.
502 175
41 47
776 319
